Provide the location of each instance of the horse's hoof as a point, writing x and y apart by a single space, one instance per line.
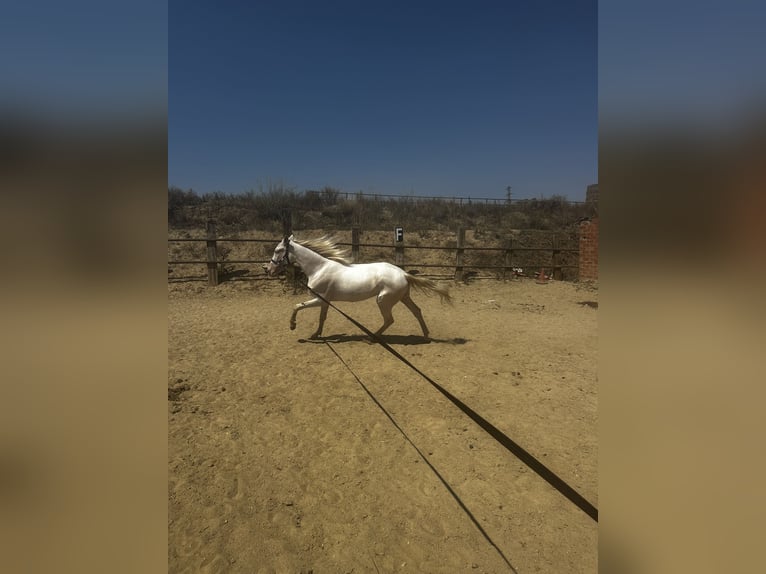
292 326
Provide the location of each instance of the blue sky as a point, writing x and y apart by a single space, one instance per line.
65 62
671 65
429 98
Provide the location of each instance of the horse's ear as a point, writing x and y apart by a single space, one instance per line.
290 238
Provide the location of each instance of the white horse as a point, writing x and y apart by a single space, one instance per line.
335 278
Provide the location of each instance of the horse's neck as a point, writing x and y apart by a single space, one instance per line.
309 261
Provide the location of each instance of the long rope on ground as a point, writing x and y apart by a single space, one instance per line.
516 449
423 457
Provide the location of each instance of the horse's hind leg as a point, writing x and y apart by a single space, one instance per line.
386 302
410 304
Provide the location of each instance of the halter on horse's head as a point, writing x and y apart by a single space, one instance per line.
281 257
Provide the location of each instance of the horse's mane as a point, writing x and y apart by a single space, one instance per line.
326 247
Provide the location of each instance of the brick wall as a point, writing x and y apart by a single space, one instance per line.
591 194
589 249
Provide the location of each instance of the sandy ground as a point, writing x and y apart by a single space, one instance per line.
280 462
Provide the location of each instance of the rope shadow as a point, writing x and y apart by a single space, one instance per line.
390 339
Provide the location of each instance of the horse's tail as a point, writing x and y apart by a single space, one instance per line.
427 286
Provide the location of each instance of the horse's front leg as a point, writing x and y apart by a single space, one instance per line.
305 305
322 317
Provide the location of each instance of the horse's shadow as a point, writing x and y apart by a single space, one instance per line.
389 339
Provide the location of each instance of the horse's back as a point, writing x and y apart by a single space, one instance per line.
362 281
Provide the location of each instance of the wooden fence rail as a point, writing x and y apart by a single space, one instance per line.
214 265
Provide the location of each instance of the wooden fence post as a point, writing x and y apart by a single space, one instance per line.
287 231
287 222
212 267
555 259
399 251
459 255
355 244
508 259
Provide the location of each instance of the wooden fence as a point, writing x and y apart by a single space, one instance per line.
461 269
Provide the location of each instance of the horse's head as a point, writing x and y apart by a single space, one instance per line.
280 259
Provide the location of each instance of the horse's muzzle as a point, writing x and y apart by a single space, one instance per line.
271 269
